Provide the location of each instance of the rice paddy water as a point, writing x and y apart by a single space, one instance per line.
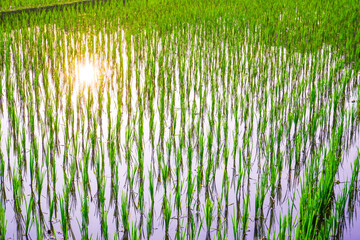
229 119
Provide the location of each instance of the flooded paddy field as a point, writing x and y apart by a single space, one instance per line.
116 123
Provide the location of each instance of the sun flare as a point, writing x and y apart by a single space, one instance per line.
87 73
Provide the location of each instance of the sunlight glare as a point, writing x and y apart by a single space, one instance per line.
87 74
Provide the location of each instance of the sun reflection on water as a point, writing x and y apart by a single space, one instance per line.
87 73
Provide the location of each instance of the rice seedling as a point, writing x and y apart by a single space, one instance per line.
245 216
18 195
134 232
125 211
236 228
85 217
52 208
28 219
40 181
149 225
40 229
208 210
64 217
164 171
3 221
167 213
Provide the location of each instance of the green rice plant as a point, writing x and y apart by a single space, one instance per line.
240 174
104 224
353 182
161 110
245 216
169 145
236 228
112 152
71 182
208 211
219 215
181 235
40 181
52 208
210 162
218 132
116 182
273 177
40 229
99 174
125 211
134 234
85 170
141 157
164 174
279 164
17 192
53 173
151 185
339 216
167 213
85 217
282 228
3 221
64 217
152 124
128 147
32 168
199 179
29 218
173 114
290 216
190 190
101 194
8 150
23 145
149 225
178 164
261 191
2 175
201 156
178 194
225 189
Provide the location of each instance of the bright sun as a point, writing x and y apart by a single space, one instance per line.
87 74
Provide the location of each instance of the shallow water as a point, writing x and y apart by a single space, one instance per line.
203 78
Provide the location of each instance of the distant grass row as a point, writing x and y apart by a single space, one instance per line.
298 26
8 5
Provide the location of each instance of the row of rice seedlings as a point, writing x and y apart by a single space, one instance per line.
16 4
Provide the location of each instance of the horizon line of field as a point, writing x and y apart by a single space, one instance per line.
54 6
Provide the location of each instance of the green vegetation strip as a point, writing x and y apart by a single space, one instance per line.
42 6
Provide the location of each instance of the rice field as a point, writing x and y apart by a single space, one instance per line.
6 5
222 119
